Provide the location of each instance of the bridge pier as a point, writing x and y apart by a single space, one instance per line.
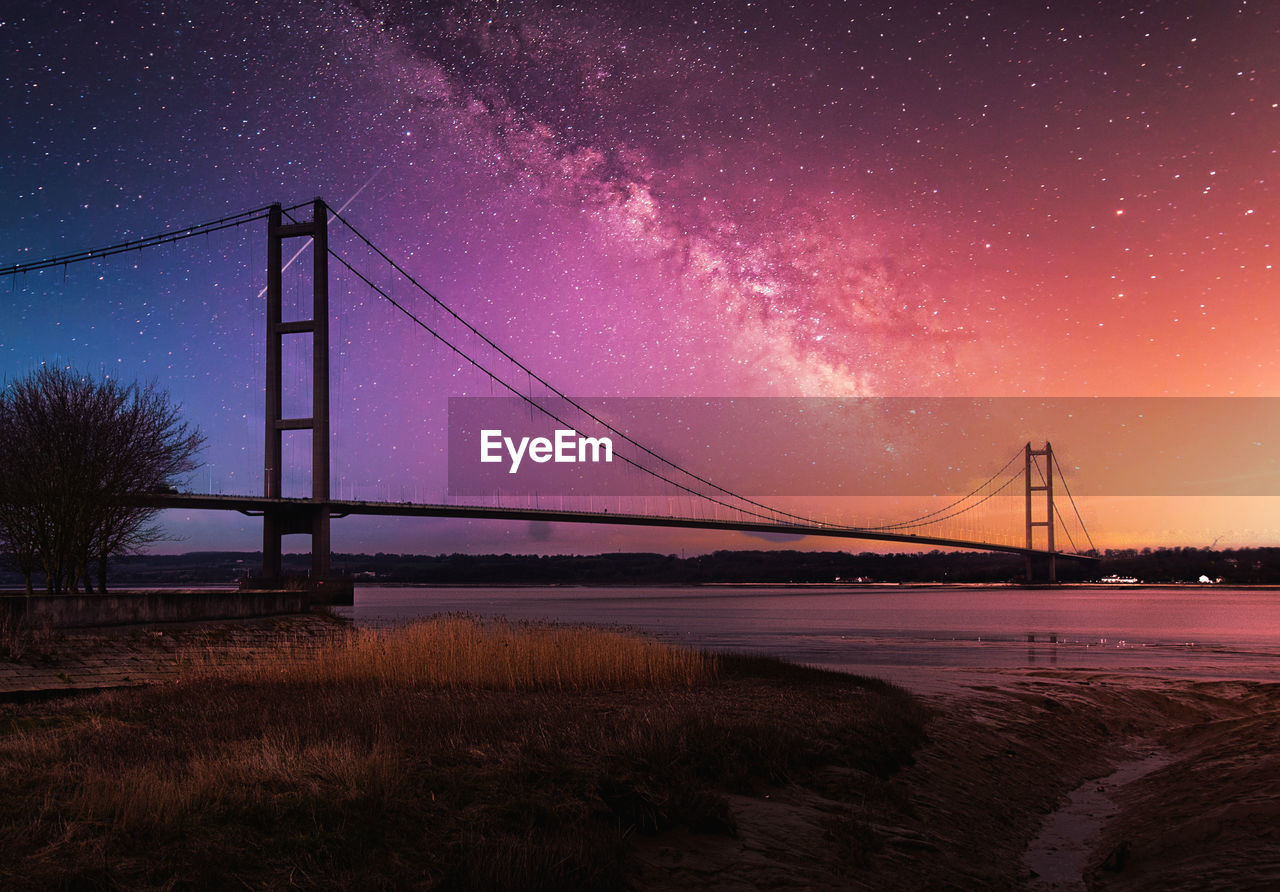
1042 570
1045 486
314 517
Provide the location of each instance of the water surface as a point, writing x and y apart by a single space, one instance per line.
1188 631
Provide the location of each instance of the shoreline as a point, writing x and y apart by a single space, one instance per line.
17 590
1009 752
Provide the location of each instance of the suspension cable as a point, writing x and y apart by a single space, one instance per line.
530 400
916 521
555 390
773 512
1065 529
1045 481
1071 499
163 238
988 497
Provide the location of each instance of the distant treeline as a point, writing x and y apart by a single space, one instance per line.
1236 566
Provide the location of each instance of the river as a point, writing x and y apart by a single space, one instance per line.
903 633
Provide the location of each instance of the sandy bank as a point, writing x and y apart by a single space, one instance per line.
1018 788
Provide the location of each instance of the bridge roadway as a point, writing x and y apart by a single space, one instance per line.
254 505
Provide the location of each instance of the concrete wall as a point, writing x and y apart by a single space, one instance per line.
124 608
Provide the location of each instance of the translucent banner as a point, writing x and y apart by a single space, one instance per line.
891 446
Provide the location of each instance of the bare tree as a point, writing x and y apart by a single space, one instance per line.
72 450
20 532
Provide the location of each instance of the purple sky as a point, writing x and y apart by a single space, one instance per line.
692 199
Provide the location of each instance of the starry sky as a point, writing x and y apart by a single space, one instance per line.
783 199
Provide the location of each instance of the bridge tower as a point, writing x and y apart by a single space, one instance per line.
1033 466
313 516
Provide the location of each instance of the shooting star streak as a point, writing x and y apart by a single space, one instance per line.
308 242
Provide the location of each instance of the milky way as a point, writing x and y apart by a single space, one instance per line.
721 198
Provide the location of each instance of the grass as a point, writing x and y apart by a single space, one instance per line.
19 641
449 754
458 652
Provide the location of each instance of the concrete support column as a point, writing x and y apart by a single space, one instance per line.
277 522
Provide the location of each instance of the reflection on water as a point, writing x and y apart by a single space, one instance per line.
1033 656
1177 631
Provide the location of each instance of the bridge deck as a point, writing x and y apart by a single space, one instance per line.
342 508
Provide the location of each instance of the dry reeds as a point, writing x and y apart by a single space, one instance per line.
454 753
234 775
460 652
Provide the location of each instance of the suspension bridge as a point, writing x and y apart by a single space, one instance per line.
1028 490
